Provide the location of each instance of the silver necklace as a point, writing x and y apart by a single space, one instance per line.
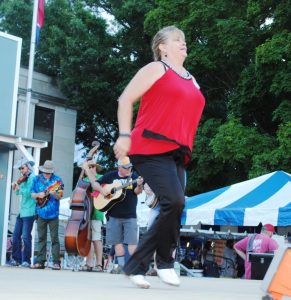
188 76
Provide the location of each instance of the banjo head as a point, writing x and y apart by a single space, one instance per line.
151 201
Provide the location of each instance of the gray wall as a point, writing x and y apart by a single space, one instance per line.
3 185
46 94
10 47
9 68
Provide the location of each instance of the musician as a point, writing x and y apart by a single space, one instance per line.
26 216
121 227
93 169
47 186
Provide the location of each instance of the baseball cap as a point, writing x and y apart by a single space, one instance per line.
124 162
269 227
23 161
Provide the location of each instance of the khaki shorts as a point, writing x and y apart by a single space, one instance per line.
96 230
121 231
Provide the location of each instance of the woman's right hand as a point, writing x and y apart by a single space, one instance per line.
122 146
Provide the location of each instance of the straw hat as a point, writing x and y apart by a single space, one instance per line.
47 167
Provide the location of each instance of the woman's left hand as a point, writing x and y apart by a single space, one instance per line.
122 146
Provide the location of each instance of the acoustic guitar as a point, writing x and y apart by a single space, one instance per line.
117 194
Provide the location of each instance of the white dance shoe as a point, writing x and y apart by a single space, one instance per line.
139 281
169 276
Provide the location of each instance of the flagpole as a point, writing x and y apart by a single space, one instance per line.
30 68
28 99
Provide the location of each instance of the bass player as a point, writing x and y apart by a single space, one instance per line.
47 189
121 227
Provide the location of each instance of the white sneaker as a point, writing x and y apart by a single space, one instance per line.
169 276
139 281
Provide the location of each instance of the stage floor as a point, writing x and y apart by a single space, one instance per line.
27 284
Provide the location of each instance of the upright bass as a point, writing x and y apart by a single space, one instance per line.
78 233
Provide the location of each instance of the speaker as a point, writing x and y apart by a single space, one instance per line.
277 281
260 264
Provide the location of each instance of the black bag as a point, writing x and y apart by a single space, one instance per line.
210 269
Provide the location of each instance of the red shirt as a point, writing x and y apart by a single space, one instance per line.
172 109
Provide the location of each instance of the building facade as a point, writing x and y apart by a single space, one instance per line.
50 120
51 136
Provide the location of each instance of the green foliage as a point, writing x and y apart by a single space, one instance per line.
240 55
204 166
238 52
269 160
237 144
16 19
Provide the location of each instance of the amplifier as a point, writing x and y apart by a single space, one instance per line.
260 264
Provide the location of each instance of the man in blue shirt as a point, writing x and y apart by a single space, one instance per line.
47 189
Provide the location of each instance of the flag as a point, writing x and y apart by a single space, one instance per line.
40 20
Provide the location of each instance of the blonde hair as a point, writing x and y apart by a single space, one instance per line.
160 37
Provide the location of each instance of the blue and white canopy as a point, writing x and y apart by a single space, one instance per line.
265 199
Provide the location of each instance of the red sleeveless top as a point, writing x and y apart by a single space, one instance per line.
168 117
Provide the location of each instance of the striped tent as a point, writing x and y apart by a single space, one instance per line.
265 199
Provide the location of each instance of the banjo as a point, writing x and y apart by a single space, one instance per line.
151 200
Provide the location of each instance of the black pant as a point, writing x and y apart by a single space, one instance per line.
166 177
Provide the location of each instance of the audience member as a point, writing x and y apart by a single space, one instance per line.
257 243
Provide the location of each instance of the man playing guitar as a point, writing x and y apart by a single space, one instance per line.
121 227
47 185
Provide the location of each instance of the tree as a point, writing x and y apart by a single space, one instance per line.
91 64
239 54
270 159
16 19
